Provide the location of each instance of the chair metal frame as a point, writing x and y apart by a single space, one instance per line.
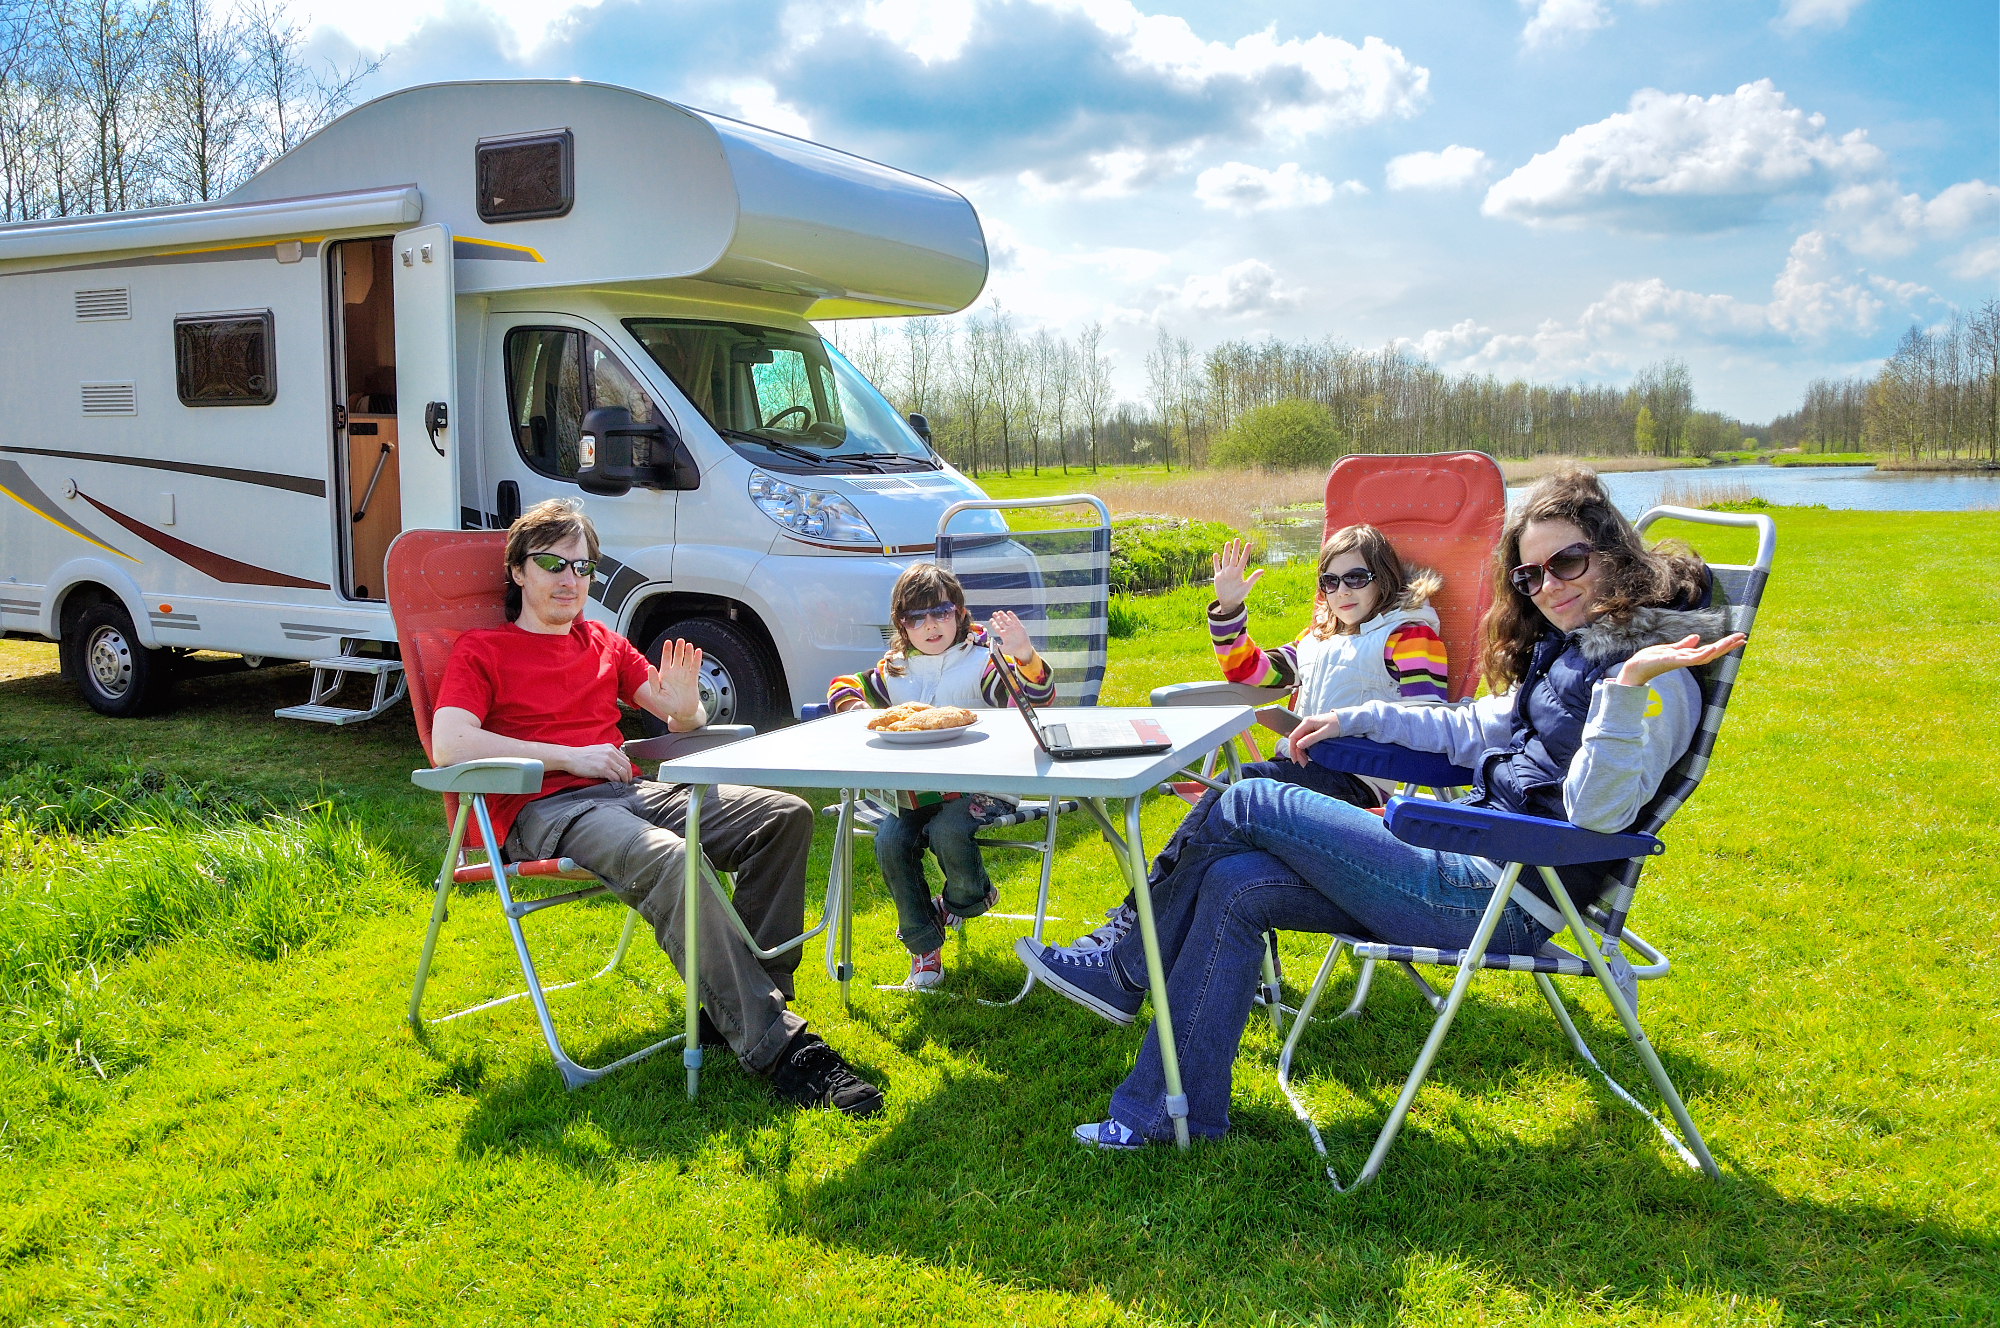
859 814
468 783
1523 842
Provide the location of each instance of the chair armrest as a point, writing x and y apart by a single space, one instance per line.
494 774
1217 694
1365 756
667 746
815 710
1487 832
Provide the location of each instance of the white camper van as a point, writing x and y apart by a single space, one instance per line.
453 303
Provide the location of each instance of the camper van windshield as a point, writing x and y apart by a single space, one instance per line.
790 396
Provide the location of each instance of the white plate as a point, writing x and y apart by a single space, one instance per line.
924 737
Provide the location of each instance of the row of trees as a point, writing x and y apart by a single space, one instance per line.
1936 398
107 105
999 397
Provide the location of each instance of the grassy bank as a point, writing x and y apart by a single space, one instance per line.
268 1144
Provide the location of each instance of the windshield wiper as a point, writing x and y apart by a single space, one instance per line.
924 459
782 449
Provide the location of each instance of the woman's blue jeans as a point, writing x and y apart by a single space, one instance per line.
947 827
1287 858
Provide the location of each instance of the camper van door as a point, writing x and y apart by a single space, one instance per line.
427 417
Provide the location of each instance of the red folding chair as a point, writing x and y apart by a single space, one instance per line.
442 584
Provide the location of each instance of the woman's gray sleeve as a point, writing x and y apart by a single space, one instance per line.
1461 732
1631 739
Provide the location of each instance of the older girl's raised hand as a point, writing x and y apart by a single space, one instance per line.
1231 586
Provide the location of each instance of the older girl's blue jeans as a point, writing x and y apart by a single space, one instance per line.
1287 858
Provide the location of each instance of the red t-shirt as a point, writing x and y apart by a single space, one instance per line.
542 687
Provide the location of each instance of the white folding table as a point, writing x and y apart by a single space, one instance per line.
997 755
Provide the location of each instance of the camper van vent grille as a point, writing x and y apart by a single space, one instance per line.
102 306
109 399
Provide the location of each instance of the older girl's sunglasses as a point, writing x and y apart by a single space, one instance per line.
935 613
585 568
1564 565
1354 578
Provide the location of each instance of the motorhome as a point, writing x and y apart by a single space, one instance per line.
450 304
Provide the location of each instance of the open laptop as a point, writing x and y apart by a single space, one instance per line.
1083 740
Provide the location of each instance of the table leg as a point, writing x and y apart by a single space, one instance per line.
1156 976
691 934
846 850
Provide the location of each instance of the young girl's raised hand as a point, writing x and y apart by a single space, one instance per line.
1231 586
1014 638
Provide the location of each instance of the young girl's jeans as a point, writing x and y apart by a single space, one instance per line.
948 826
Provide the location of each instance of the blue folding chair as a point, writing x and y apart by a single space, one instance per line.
1598 931
1058 582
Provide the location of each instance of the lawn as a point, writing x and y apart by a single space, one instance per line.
211 1110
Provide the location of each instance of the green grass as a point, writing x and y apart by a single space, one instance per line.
214 1113
1826 459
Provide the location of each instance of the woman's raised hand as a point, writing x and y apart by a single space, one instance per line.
1311 729
1231 586
1686 653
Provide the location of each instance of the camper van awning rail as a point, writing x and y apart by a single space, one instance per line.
212 223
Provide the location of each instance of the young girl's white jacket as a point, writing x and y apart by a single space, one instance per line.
951 678
1340 671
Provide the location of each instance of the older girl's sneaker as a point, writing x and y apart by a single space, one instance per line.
1108 1134
1087 979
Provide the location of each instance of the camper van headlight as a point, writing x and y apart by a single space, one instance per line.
813 513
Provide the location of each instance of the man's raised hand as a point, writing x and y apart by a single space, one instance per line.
675 683
1231 586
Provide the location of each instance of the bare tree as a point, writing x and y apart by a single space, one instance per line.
207 123
103 47
1003 370
1163 386
1062 393
1093 382
297 101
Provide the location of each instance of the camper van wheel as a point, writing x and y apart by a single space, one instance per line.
737 685
116 674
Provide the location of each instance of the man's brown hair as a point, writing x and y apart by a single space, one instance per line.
540 528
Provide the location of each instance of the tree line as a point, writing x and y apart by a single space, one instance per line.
1936 398
108 105
1000 397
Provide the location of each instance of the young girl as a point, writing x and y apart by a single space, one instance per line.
937 656
1373 637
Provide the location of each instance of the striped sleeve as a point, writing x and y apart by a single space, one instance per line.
1242 659
850 690
1416 660
1038 683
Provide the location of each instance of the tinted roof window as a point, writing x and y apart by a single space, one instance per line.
524 178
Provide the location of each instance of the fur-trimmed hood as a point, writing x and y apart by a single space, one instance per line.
1419 589
1605 641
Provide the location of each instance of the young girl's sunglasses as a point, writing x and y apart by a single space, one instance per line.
1355 578
1564 565
935 613
553 564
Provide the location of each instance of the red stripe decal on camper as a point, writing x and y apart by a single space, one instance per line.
214 564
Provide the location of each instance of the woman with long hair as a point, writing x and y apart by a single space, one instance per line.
1586 652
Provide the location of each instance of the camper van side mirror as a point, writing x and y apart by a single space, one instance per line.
616 454
921 427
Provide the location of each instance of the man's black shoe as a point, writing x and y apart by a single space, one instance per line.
711 1036
812 1074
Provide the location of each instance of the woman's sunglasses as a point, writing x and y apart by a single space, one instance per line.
936 613
553 564
1564 565
1355 578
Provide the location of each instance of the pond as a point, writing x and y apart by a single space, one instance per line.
1294 534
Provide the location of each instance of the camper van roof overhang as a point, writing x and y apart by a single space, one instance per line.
662 193
199 224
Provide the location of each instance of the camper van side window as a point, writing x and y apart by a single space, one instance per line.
520 179
545 396
225 360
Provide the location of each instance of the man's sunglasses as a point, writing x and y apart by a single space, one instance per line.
936 613
553 564
1355 578
1564 565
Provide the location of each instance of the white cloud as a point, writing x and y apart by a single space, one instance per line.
931 30
756 101
1244 189
1556 20
1978 259
1450 169
1681 162
1114 174
1796 14
1876 217
1237 291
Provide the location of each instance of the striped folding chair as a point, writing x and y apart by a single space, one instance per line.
1597 932
1058 582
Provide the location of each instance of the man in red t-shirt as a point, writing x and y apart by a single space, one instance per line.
547 687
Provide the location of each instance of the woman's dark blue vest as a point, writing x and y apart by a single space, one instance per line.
1550 707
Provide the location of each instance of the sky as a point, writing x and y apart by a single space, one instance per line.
1563 190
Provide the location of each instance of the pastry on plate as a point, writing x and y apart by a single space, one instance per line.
895 714
934 717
